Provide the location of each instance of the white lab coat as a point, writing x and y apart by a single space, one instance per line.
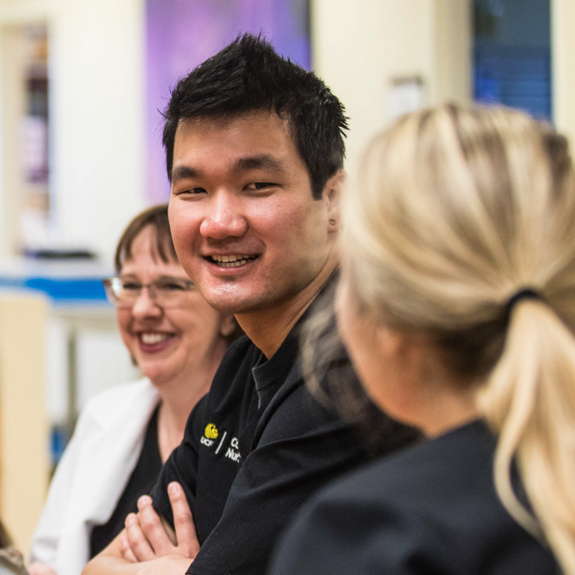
92 474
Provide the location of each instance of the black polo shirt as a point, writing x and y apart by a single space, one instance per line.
431 509
255 448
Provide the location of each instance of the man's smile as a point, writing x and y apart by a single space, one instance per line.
231 261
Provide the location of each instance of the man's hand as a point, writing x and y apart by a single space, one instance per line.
148 537
38 568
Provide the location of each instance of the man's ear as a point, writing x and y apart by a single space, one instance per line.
332 194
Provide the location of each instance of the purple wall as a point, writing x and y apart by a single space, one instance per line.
183 33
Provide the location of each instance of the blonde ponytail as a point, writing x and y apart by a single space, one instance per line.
456 210
529 401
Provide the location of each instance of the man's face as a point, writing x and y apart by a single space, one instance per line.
245 225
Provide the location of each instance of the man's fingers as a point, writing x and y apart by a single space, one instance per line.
186 536
137 541
125 549
153 529
38 568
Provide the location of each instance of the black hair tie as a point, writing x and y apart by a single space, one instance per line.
524 293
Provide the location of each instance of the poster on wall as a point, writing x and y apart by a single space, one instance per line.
180 34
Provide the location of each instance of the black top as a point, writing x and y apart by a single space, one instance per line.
432 509
143 477
254 450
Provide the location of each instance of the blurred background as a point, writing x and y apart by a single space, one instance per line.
82 86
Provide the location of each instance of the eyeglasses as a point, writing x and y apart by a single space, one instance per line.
166 292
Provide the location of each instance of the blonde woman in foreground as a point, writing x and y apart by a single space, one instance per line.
457 305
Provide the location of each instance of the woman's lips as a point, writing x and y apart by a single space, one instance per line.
154 341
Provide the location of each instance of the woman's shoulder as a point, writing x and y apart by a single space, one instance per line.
423 471
432 506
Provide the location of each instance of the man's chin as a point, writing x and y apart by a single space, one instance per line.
236 308
235 303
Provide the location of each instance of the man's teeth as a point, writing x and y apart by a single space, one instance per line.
232 261
153 338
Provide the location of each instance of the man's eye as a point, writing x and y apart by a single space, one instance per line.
131 286
260 185
192 191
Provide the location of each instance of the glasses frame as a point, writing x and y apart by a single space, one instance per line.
110 283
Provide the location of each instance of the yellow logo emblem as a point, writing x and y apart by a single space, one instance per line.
211 431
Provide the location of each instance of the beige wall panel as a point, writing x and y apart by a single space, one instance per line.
454 50
563 66
12 90
25 11
24 465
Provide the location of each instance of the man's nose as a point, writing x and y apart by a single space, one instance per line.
145 305
224 217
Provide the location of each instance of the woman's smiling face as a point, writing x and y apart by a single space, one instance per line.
167 343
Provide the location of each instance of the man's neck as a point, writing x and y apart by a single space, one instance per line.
268 329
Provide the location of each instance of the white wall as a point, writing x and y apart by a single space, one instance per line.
103 361
97 113
359 46
100 360
98 105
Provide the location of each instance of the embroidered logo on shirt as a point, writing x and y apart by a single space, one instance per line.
233 451
229 449
211 431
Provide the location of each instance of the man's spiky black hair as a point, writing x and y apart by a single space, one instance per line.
248 75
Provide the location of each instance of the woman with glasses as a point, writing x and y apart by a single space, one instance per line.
457 305
125 433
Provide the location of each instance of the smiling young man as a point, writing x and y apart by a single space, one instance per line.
254 153
251 232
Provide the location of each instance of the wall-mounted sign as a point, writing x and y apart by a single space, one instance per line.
406 94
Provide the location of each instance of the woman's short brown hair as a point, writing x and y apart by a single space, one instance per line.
157 217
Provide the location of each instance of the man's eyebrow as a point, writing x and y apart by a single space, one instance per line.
183 172
259 162
262 161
